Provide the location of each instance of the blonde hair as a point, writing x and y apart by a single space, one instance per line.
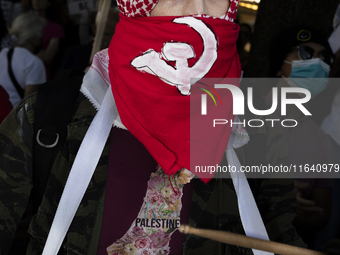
26 26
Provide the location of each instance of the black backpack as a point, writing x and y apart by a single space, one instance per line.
53 111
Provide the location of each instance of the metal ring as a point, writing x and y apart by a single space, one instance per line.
48 146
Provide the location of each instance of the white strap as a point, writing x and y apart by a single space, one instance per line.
87 159
250 215
81 173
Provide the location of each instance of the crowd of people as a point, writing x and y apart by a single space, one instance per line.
42 41
126 158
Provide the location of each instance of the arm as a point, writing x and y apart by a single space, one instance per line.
314 213
15 170
35 76
29 89
277 204
49 53
314 209
276 198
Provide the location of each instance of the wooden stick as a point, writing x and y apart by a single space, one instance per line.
248 242
104 10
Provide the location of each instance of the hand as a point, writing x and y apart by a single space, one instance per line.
305 207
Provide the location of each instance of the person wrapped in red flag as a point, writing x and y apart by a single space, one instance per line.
123 181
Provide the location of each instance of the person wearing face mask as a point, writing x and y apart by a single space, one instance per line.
21 72
301 52
121 183
302 56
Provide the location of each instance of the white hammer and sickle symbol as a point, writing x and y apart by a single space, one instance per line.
151 62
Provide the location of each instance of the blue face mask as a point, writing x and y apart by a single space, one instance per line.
311 74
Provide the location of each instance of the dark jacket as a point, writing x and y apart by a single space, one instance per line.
214 206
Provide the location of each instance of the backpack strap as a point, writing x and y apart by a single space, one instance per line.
19 89
54 108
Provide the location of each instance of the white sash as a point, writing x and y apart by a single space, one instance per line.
81 173
91 149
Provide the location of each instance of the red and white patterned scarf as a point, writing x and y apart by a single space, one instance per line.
142 8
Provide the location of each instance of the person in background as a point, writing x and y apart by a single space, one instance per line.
28 70
243 44
86 23
303 52
20 7
331 126
5 38
53 32
78 56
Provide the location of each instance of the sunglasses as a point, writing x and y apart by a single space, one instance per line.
306 52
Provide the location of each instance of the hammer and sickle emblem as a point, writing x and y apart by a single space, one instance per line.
151 61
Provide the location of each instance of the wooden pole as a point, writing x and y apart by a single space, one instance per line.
104 8
248 242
